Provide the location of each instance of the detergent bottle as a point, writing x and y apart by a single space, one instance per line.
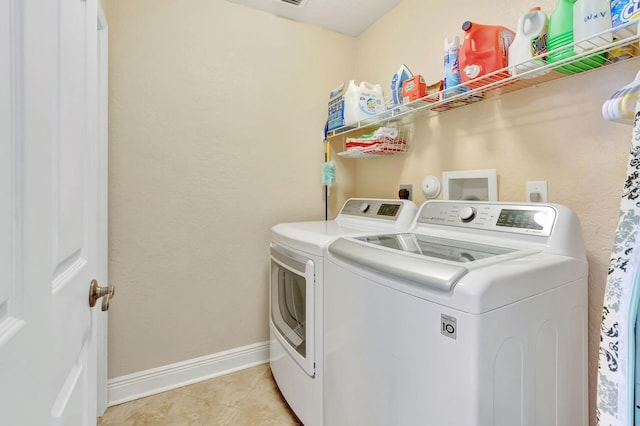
561 35
452 76
591 17
362 101
530 44
396 83
484 50
622 13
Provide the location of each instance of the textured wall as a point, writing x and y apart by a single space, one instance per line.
553 132
216 118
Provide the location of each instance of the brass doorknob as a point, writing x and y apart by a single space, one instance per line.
96 292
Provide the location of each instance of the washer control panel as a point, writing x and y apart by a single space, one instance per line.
531 219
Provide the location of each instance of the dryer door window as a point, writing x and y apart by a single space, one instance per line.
292 305
289 309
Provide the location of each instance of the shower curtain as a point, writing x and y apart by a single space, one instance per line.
617 359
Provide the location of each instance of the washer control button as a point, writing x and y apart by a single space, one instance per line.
364 207
467 214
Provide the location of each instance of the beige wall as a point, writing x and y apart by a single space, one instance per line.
553 132
216 118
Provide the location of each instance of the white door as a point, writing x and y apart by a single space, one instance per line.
48 199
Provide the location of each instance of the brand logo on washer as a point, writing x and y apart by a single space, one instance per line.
448 326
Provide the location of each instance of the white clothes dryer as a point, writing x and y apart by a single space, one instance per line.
296 294
476 317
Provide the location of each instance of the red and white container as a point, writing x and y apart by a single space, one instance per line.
485 49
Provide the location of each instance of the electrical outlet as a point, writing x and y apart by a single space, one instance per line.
406 192
537 191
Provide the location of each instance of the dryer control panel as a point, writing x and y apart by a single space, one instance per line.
380 209
530 219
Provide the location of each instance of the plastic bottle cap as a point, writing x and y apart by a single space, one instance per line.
535 9
466 26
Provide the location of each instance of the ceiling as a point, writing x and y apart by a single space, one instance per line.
350 17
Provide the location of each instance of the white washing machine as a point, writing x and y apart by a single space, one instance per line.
476 317
296 294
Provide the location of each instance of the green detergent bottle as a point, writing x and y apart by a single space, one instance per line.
561 34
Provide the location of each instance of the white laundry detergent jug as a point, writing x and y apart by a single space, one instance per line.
363 101
591 17
529 43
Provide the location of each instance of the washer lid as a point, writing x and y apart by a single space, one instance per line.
435 247
435 262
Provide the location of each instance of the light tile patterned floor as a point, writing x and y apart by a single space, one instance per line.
249 397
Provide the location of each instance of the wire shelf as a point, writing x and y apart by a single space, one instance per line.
389 139
598 52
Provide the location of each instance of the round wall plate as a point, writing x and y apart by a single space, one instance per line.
430 187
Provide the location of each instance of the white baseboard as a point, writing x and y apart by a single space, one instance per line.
161 379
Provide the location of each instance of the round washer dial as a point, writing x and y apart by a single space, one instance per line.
466 214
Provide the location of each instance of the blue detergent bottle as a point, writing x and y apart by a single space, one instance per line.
452 76
396 83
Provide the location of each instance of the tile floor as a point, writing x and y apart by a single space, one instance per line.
248 397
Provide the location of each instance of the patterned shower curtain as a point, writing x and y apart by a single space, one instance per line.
616 366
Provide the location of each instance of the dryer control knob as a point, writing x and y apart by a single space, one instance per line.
467 214
364 207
